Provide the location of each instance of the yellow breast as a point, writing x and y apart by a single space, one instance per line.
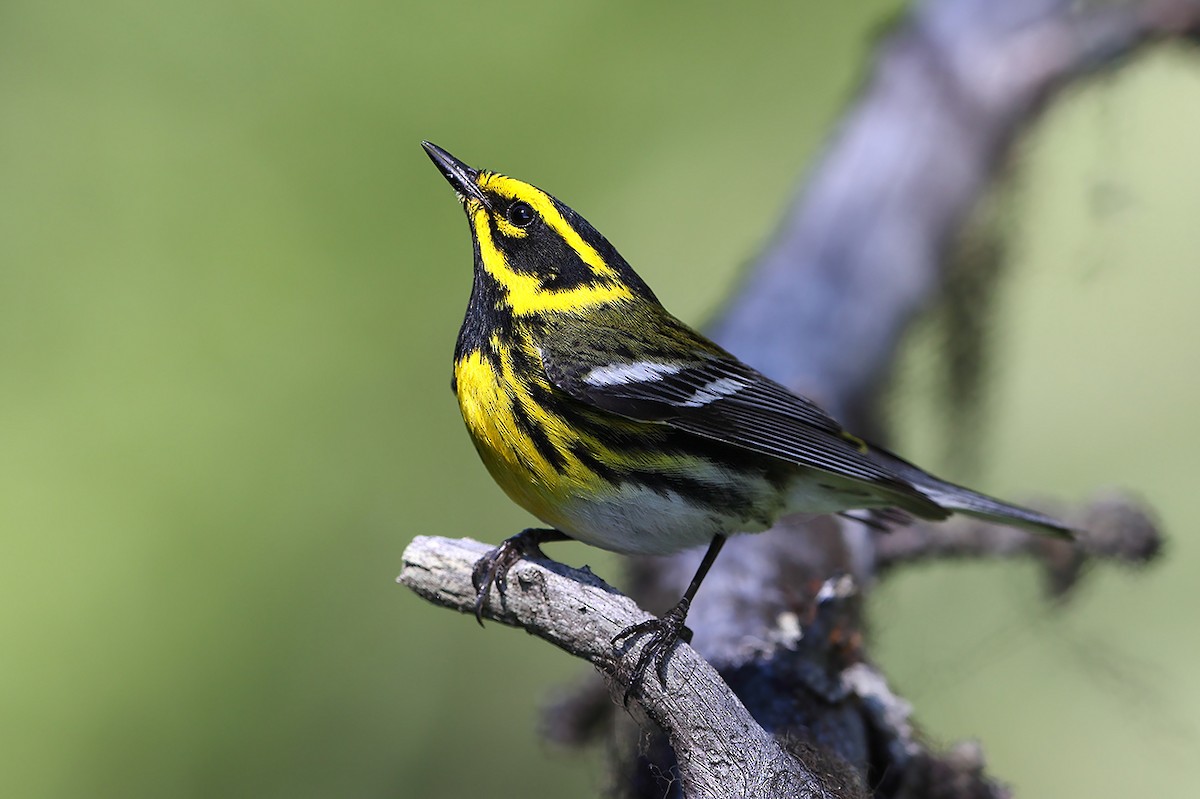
525 447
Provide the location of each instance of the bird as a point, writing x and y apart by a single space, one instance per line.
620 426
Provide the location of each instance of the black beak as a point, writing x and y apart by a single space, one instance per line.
457 174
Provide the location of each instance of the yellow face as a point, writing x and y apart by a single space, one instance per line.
534 254
540 257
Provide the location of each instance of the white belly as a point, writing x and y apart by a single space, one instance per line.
638 520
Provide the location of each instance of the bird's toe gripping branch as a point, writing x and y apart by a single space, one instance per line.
492 569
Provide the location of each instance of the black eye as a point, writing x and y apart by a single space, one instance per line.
520 213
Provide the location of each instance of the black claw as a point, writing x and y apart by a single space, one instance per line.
479 600
668 631
664 633
492 568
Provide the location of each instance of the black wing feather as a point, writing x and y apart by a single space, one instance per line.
755 413
685 381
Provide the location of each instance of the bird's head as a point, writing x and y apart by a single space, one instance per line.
542 256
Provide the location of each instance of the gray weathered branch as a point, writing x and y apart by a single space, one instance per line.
722 750
862 249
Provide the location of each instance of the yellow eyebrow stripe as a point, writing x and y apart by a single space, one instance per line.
519 190
525 293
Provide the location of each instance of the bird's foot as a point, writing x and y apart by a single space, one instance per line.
664 633
492 568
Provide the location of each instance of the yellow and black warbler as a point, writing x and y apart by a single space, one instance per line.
612 421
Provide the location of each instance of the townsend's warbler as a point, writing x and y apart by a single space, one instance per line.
612 421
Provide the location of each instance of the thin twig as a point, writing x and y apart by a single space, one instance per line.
1112 526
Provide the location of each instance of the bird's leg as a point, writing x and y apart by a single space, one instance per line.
668 630
492 568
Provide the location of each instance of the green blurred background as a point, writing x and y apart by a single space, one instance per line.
230 283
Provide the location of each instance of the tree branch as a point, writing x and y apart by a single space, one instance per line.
1111 527
862 248
718 743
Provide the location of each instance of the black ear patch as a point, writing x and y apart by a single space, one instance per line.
543 254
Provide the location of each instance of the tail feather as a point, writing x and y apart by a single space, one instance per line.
959 499
972 503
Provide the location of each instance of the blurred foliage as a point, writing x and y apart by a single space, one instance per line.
229 287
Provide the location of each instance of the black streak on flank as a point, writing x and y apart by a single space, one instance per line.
585 456
727 499
537 435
